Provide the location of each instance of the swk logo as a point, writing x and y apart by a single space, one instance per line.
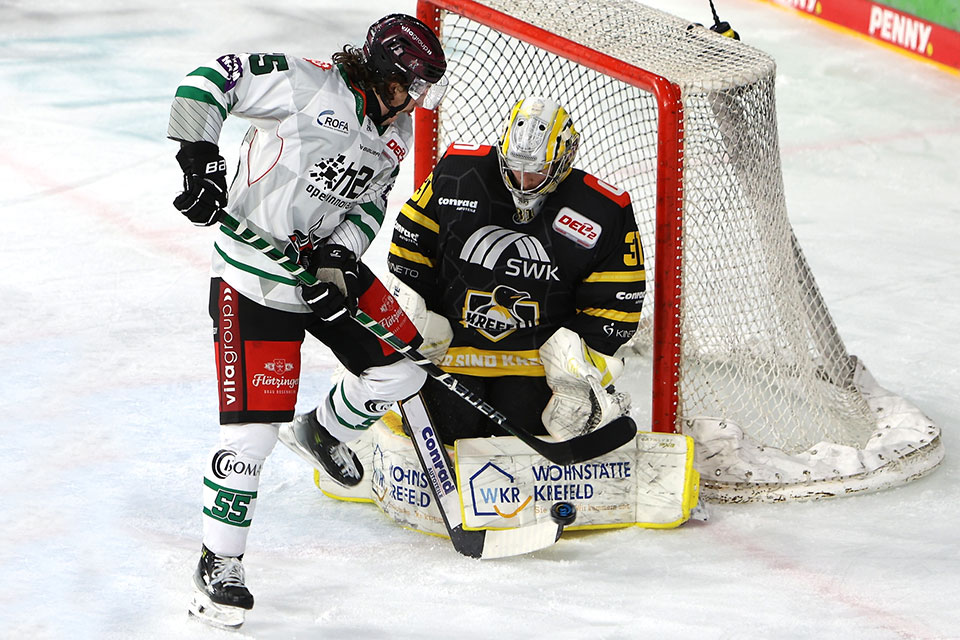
491 245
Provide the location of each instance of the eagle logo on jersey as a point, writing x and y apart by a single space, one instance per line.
499 313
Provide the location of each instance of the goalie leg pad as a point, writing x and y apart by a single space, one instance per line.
649 482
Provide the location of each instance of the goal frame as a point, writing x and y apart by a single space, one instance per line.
666 347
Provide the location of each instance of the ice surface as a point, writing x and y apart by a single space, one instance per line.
108 400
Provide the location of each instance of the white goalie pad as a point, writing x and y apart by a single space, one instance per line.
649 482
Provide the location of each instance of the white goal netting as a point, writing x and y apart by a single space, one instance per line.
777 406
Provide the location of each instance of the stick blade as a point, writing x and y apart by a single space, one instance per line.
514 542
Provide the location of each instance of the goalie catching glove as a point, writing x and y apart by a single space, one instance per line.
582 383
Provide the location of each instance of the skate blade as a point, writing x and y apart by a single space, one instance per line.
287 438
217 615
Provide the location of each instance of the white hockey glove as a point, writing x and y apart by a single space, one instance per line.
433 327
582 383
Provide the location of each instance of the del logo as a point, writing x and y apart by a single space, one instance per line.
499 313
329 120
577 227
495 493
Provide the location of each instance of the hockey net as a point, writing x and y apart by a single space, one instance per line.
735 341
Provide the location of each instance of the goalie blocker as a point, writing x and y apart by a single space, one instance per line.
649 482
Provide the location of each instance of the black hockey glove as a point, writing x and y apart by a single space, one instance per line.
336 268
326 301
204 183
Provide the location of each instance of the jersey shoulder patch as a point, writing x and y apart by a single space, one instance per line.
618 195
466 149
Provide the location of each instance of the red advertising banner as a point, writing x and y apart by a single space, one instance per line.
903 31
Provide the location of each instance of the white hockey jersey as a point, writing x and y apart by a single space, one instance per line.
312 165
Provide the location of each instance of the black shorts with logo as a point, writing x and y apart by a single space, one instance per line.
258 349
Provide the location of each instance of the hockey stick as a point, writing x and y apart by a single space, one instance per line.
484 544
578 449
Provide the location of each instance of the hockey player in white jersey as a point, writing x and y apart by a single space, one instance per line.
316 165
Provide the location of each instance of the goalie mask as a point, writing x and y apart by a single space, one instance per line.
536 151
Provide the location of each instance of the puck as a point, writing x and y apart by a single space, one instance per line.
563 513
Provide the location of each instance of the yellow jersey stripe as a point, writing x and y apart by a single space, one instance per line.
411 256
419 218
490 364
617 276
610 314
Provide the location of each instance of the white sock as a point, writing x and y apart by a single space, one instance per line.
231 481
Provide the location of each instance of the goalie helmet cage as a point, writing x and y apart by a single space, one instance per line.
744 356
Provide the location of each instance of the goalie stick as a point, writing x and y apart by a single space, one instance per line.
483 544
578 449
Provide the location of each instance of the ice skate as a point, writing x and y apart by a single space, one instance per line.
220 596
307 437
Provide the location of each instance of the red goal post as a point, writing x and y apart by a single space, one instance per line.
736 340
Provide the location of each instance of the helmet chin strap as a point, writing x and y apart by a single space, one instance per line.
525 214
391 111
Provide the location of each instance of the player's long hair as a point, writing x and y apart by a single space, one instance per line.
354 63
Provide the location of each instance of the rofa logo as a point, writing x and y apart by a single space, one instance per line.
901 30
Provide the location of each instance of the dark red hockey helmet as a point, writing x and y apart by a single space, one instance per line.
399 43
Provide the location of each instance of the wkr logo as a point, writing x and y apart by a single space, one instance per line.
494 492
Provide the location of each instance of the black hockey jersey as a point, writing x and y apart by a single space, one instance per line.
507 287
